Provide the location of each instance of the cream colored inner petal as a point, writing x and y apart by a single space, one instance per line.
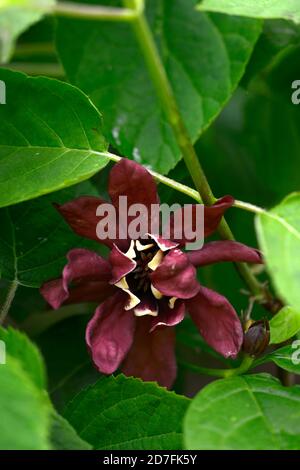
133 299
141 247
130 253
157 294
172 301
156 260
140 312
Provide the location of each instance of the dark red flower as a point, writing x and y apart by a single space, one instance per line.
145 287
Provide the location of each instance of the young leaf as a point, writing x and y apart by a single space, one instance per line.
279 236
126 413
50 137
284 325
15 17
204 56
24 410
288 358
267 9
252 412
21 348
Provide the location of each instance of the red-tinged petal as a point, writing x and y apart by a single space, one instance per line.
93 291
216 252
217 321
128 178
152 356
175 276
54 293
213 214
85 265
85 279
109 334
169 316
162 243
80 214
212 217
121 264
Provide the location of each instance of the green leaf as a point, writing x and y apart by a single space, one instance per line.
21 348
15 17
50 137
204 56
24 410
35 239
252 412
279 236
126 413
267 9
69 365
284 325
64 437
288 358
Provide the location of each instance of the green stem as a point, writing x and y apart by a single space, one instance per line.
224 373
168 101
249 207
36 68
165 94
8 301
94 12
33 49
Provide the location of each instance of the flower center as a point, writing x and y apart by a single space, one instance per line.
139 280
137 284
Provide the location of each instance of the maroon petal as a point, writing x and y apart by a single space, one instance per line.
217 321
109 334
80 214
54 293
176 276
152 356
121 264
128 178
168 316
212 217
162 243
215 252
85 279
213 214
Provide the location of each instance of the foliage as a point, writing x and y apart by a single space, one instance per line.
205 95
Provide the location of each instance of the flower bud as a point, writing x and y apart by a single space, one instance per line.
256 337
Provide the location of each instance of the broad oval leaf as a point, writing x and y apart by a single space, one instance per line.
204 56
284 325
272 9
252 412
50 137
21 348
278 232
24 410
126 413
